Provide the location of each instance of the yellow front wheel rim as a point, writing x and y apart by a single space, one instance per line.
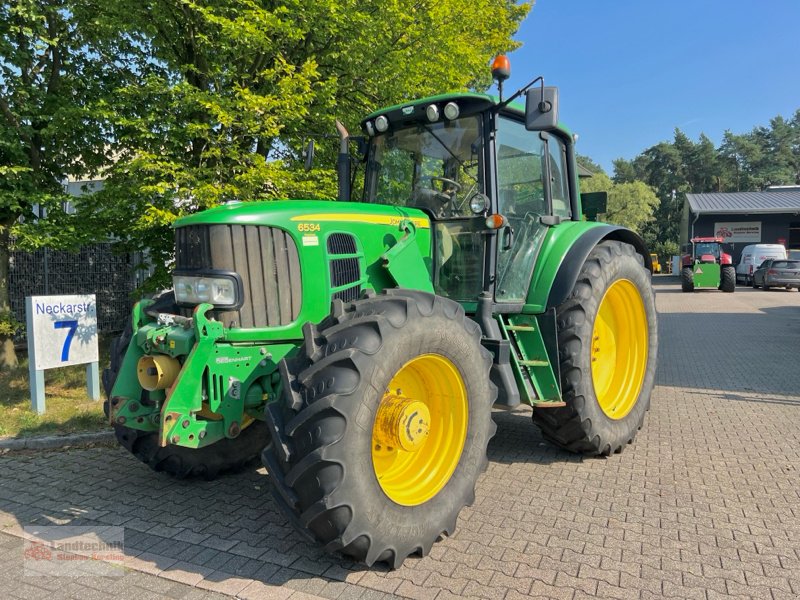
619 349
420 429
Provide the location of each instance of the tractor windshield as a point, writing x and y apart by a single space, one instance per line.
437 167
432 166
702 248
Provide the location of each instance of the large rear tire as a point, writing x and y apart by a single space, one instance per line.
728 280
382 432
687 279
229 454
608 342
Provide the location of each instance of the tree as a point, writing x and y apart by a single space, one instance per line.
48 83
624 171
630 204
227 91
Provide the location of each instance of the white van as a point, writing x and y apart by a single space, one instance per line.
753 256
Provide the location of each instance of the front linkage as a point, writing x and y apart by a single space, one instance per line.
181 378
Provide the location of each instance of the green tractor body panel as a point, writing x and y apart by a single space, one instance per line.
558 241
707 275
292 259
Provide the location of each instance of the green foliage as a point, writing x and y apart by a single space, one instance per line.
48 86
666 250
9 325
181 104
630 203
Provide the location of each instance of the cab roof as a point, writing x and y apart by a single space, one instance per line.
469 102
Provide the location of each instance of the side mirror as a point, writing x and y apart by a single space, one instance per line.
593 204
541 108
308 155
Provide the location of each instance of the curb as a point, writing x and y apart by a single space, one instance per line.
51 442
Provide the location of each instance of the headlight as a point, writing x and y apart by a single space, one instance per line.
478 203
451 111
432 112
382 123
219 291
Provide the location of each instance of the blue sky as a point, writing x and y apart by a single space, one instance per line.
629 72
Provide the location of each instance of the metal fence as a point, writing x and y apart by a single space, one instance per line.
92 270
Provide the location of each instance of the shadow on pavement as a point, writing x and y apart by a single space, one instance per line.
518 440
730 352
219 531
787 401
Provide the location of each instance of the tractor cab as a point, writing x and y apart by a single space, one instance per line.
706 250
488 178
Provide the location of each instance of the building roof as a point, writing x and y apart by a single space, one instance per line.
773 201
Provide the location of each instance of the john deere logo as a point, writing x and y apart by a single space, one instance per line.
407 110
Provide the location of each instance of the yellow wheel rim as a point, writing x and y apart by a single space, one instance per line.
619 349
420 429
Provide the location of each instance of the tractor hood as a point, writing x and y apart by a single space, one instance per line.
289 214
271 266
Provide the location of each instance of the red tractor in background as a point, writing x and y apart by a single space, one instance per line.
705 266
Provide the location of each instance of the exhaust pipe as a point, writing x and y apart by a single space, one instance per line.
343 163
157 372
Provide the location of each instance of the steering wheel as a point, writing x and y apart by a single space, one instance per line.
450 188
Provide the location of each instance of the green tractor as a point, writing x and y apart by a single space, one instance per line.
705 266
360 347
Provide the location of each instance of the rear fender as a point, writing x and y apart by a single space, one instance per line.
572 262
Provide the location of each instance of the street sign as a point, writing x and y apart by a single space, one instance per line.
62 331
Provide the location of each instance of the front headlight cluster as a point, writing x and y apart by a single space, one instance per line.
219 291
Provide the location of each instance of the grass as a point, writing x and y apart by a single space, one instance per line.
68 407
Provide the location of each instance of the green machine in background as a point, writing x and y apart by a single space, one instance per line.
359 347
705 265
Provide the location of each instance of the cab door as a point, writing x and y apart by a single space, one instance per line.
532 183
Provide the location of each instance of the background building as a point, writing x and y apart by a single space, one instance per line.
742 218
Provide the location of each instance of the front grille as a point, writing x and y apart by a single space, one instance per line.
346 271
341 243
264 257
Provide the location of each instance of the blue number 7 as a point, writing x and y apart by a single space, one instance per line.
72 326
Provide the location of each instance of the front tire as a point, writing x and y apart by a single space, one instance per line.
382 432
687 279
227 455
608 342
728 280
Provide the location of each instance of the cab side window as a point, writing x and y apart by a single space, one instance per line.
520 184
520 166
559 184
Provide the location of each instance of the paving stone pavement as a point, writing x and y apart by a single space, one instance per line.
704 504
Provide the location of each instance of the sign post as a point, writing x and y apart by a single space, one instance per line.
62 331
